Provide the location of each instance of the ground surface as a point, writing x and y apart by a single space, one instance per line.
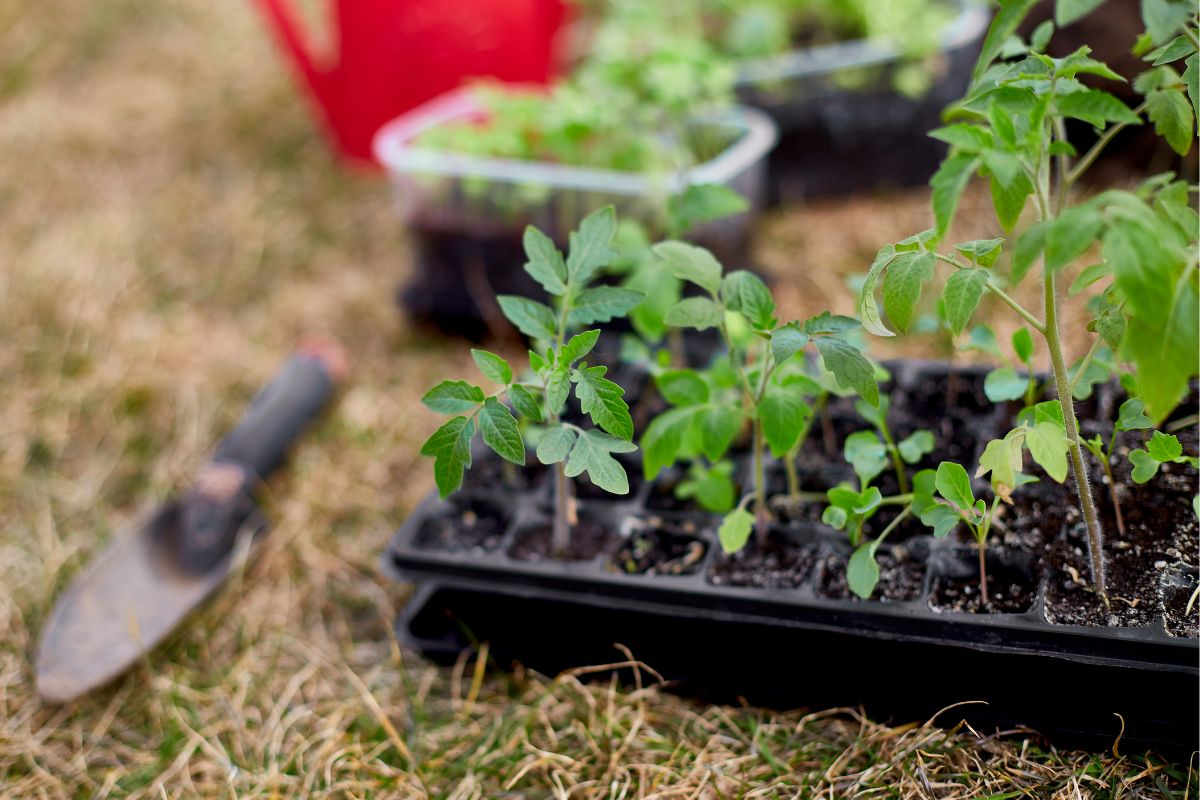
169 224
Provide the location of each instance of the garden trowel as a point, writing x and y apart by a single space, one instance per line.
147 580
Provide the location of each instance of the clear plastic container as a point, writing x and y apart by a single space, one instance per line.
808 73
450 189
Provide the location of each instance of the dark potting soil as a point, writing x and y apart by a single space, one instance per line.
1177 587
953 407
1161 533
472 524
589 538
785 563
901 577
1011 590
658 546
1031 523
491 474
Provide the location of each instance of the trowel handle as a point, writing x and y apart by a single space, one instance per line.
284 408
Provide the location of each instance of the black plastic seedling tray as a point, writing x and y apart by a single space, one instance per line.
793 645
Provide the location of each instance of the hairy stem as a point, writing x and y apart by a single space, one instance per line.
897 463
1074 449
981 546
1112 492
760 488
560 537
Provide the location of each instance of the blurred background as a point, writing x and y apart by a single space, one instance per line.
188 187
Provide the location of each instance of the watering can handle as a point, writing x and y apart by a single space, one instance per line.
281 15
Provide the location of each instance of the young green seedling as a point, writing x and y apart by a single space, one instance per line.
954 503
572 449
1130 417
1161 449
764 399
1011 129
908 450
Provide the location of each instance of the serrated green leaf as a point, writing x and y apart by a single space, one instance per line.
579 346
525 403
735 530
1090 275
1002 165
1048 447
450 445
1131 416
1022 342
602 304
1029 246
663 438
1191 79
1068 11
1145 466
1164 447
555 444
545 264
1003 459
682 387
1070 234
1009 200
1172 116
850 368
592 454
694 312
867 308
558 386
1177 48
829 324
915 445
954 484
961 296
941 518
453 397
981 252
782 414
1004 25
603 401
967 138
1095 107
718 428
745 292
500 431
532 318
862 573
866 454
1164 18
902 284
536 363
591 248
948 184
691 263
492 367
1080 63
786 341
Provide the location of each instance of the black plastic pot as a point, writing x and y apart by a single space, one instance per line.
837 141
782 631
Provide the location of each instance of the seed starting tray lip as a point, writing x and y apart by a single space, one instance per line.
1147 647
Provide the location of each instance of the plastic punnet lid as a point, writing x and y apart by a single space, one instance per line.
394 149
826 59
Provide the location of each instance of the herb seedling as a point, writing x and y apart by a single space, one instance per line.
763 398
908 450
572 449
1161 449
1011 129
954 503
1130 417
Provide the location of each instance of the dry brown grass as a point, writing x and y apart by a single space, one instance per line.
169 225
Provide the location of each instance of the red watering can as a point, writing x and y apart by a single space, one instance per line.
393 55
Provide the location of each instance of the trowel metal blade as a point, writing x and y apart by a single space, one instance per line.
123 604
